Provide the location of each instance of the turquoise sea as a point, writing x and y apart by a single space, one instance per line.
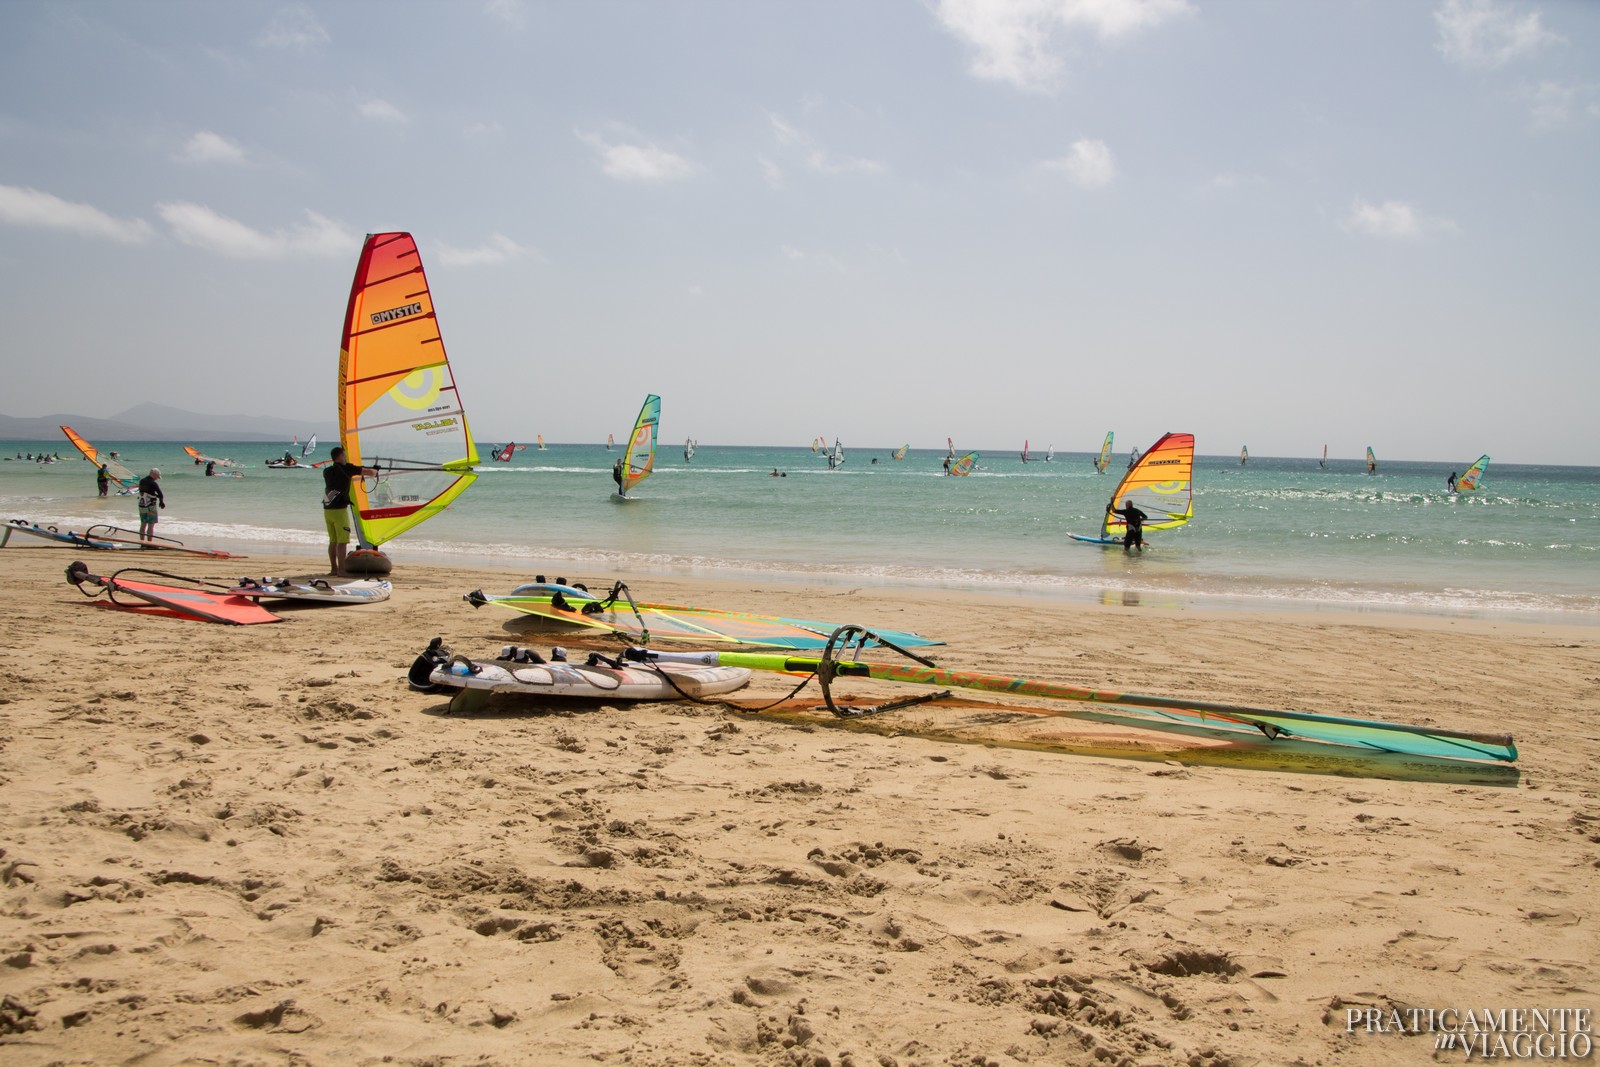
1280 531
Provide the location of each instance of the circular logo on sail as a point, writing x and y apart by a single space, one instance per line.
418 389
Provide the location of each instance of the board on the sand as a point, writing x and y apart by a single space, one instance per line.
50 533
316 590
521 672
195 603
676 622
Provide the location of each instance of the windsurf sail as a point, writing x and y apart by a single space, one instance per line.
950 448
618 613
1244 454
640 459
611 441
1024 450
1369 734
310 446
200 457
900 453
1324 461
1372 460
963 466
1133 457
1103 464
119 474
836 456
540 438
1160 484
1050 453
505 454
1470 480
398 408
688 449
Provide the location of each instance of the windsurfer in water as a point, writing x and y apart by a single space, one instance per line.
1135 520
102 479
151 499
1450 482
336 478
616 476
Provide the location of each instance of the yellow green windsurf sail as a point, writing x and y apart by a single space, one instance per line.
118 472
1104 462
1470 480
640 459
1160 484
398 408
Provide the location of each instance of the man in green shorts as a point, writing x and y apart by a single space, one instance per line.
336 478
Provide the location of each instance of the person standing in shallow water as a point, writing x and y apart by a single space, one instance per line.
1135 520
336 478
102 479
151 499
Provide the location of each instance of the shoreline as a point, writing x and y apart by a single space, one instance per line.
258 843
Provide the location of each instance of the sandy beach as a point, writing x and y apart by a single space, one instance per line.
256 845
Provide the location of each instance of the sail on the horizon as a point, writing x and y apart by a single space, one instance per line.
1024 450
900 453
1103 464
1244 454
1324 462
1372 460
120 474
398 407
836 457
1160 484
1474 476
688 449
611 441
640 459
505 454
310 446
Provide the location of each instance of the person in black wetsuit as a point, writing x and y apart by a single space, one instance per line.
1135 520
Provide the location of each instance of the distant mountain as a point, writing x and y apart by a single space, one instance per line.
157 422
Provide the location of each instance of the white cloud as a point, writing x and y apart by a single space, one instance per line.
513 13
497 249
198 225
208 147
1089 164
296 28
1484 34
1393 220
638 162
20 206
815 157
382 111
771 172
1014 41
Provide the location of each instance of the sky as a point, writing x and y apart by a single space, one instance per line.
1274 225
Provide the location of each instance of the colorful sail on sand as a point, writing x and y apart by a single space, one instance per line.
399 411
119 474
1471 480
1103 464
639 461
1160 484
1370 734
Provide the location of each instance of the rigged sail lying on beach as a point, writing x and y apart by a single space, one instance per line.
1474 476
1368 734
398 408
1160 484
640 459
119 474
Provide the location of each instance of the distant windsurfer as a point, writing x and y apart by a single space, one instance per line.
336 477
151 499
102 479
1135 520
1450 482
